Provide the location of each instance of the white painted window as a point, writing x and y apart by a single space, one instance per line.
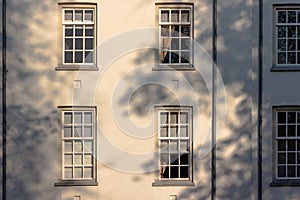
78 143
175 34
287 36
174 141
78 26
287 143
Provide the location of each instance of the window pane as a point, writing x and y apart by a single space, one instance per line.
281 171
68 118
174 131
291 130
89 57
291 171
174 57
164 118
185 16
185 44
88 172
164 16
68 57
185 57
68 131
185 31
174 159
281 131
78 131
175 31
184 172
291 31
78 159
79 57
281 45
88 15
68 159
78 146
175 16
183 131
89 31
69 43
281 58
79 31
68 15
184 146
78 15
291 16
88 117
281 16
281 158
68 146
88 146
89 43
281 32
281 145
292 45
164 158
164 146
68 172
174 146
174 172
291 158
175 44
68 30
79 43
174 117
88 131
164 132
291 145
184 159
291 58
298 47
164 172
165 31
78 172
291 117
88 159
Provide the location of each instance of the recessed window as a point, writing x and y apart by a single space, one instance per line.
78 144
175 26
174 145
78 37
287 36
286 145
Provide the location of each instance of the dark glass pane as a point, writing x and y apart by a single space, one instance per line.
185 44
164 172
298 171
185 16
68 15
298 158
298 45
164 16
281 16
281 45
68 57
291 31
298 16
89 43
281 171
175 44
184 172
185 57
174 172
185 30
175 30
281 145
281 130
89 31
184 159
88 15
69 43
298 145
291 158
291 117
291 58
165 31
89 57
281 158
291 16
281 58
291 130
79 43
281 32
79 57
79 31
291 145
298 131
281 117
292 44
298 30
291 171
165 57
174 57
174 159
69 31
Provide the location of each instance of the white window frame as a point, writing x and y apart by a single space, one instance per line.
286 142
88 50
287 24
179 139
168 51
78 135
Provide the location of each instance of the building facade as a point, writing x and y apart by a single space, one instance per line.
179 100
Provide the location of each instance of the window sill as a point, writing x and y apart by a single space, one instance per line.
285 68
173 68
76 68
159 183
63 183
283 183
